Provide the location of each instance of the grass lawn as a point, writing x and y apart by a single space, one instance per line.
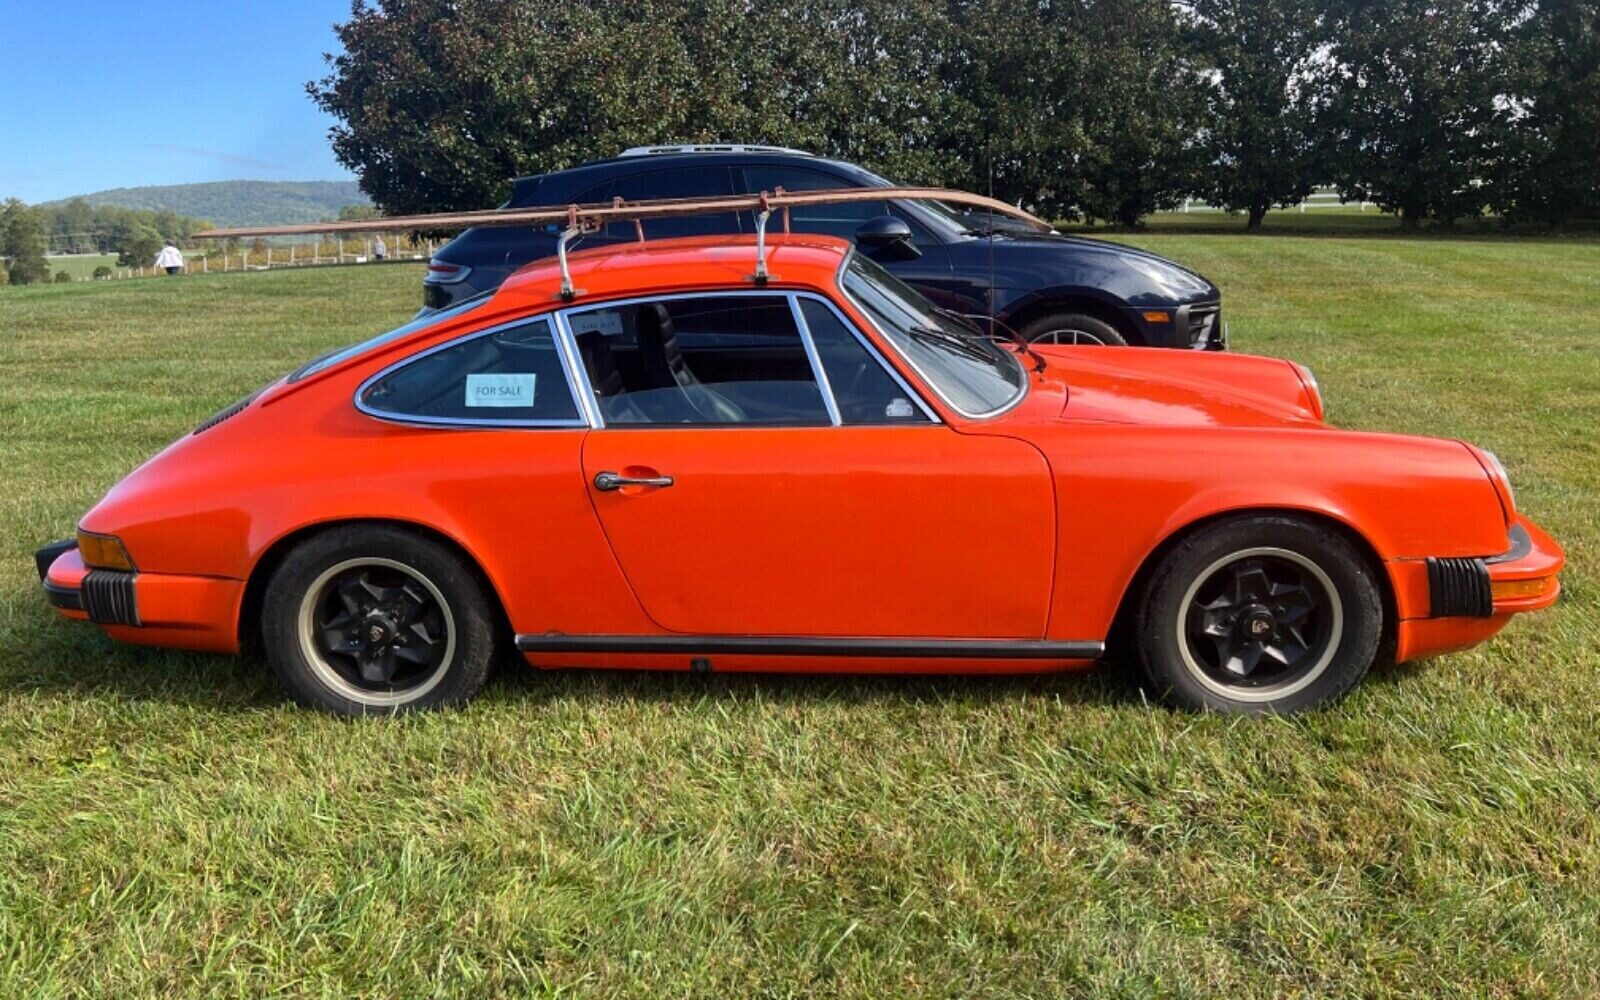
81 265
168 825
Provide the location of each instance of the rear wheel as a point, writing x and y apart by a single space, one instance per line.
1260 614
377 620
1072 328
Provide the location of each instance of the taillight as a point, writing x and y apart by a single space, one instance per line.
443 273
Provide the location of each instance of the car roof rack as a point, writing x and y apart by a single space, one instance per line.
711 147
577 220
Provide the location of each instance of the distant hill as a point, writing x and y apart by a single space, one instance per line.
240 203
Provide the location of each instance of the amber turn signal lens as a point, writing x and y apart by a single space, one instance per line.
103 552
1510 590
1156 317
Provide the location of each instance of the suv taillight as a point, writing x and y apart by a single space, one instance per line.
444 273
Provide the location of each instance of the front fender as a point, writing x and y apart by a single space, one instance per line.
1127 491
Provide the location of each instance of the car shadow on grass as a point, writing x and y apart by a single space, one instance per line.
39 656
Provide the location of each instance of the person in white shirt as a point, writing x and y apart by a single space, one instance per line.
170 258
378 249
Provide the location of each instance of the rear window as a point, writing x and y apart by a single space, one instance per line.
342 354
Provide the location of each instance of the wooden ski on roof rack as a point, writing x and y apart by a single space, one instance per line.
591 217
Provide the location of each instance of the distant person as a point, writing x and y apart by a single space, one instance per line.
170 258
379 251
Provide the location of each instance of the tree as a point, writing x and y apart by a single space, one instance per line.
1071 129
440 103
22 242
136 243
353 213
1413 102
1260 138
1551 172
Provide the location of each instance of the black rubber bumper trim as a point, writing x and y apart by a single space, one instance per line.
1459 588
65 598
110 598
961 649
1521 545
49 554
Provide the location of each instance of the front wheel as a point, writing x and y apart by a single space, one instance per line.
1259 614
375 620
1072 328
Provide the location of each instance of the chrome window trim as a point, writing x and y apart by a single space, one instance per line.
577 374
817 371
832 404
1013 403
415 420
877 356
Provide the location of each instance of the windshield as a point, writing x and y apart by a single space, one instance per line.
972 373
333 357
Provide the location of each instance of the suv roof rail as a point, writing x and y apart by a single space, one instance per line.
711 147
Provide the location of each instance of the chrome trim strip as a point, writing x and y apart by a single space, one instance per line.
875 355
800 645
816 361
871 348
577 374
468 422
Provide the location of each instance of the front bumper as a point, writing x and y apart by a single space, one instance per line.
1195 326
156 609
1450 604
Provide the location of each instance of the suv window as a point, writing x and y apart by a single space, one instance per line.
865 392
718 359
509 376
683 182
831 220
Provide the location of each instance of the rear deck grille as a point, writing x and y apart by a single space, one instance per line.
1459 587
233 409
108 596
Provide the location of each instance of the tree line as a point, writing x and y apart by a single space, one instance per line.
27 234
1437 110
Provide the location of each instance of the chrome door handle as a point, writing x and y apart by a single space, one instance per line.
607 482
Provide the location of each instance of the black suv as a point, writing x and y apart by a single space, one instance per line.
1048 287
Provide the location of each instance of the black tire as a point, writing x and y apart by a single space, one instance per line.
381 599
1072 328
1259 614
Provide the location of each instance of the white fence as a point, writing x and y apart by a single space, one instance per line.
320 254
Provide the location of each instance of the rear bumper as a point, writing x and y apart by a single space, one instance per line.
1448 607
154 609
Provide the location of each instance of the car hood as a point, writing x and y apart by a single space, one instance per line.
1179 282
1154 386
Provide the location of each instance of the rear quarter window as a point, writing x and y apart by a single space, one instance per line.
512 376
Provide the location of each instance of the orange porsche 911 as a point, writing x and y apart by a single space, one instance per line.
675 466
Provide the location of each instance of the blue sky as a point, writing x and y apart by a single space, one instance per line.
162 92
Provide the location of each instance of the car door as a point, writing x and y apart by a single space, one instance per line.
808 490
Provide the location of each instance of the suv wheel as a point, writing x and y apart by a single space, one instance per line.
1072 328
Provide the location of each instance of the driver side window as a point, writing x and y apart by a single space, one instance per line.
716 359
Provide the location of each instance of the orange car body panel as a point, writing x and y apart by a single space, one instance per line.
1029 525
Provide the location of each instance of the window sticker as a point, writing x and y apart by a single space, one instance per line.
898 409
500 388
605 321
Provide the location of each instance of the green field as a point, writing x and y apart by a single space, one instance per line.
81 265
168 825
